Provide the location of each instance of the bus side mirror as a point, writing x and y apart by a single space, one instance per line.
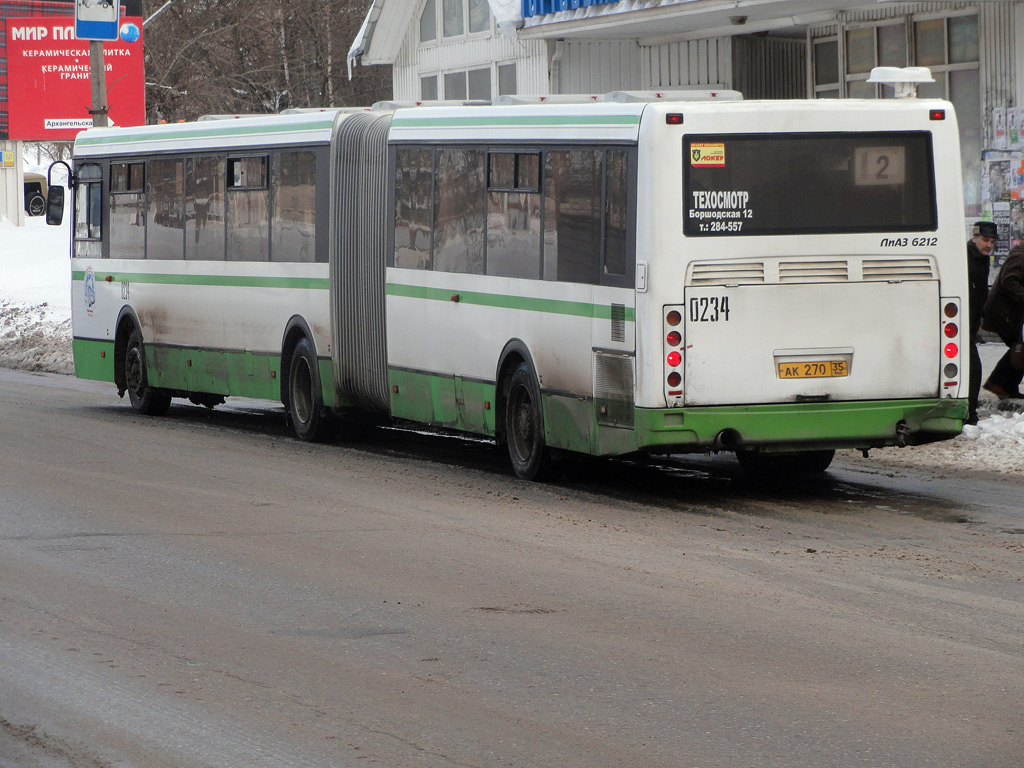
55 206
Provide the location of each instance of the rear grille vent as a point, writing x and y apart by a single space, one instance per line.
898 269
729 273
613 390
811 270
814 271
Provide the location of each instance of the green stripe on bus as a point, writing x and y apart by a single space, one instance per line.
233 281
504 301
514 120
126 136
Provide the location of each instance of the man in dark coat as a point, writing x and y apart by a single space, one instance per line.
1004 314
979 250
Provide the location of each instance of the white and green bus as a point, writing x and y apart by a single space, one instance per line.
629 274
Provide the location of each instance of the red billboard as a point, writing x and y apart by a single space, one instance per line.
49 96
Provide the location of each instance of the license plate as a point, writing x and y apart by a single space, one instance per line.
813 369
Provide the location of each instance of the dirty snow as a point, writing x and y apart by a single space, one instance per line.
35 335
35 297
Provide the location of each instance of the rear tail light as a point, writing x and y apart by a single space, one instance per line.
951 341
673 352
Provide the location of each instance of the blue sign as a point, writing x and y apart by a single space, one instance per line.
541 7
97 19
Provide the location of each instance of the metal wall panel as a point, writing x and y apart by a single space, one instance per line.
689 62
997 33
595 67
769 67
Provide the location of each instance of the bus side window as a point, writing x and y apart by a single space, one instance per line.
204 208
513 214
414 185
165 209
88 211
248 209
293 223
127 211
459 211
572 215
616 213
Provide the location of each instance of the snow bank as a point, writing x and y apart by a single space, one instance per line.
35 297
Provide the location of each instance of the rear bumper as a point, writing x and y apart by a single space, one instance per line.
800 426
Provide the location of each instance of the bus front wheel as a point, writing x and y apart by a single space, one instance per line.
144 398
524 428
306 411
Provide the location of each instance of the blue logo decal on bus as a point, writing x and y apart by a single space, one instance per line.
90 288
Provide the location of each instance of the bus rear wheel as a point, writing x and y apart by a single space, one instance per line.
310 422
780 465
524 428
144 398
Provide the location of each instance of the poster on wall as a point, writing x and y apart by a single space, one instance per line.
1013 128
1001 217
999 128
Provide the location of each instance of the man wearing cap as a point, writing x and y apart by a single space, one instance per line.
979 251
1003 314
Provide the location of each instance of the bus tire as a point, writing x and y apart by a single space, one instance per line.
309 419
781 465
524 428
144 398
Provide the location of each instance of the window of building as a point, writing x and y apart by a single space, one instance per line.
127 211
455 86
428 22
507 80
479 84
949 47
826 68
455 18
428 88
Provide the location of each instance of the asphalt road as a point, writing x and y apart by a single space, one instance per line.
204 590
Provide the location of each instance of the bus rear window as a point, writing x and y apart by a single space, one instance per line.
808 183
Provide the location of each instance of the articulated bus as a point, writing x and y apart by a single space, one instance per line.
628 274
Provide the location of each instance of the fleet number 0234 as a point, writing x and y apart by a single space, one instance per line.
709 309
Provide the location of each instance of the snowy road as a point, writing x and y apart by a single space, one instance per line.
205 590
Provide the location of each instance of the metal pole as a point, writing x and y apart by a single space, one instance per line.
98 78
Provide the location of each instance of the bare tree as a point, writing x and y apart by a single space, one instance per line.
235 56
